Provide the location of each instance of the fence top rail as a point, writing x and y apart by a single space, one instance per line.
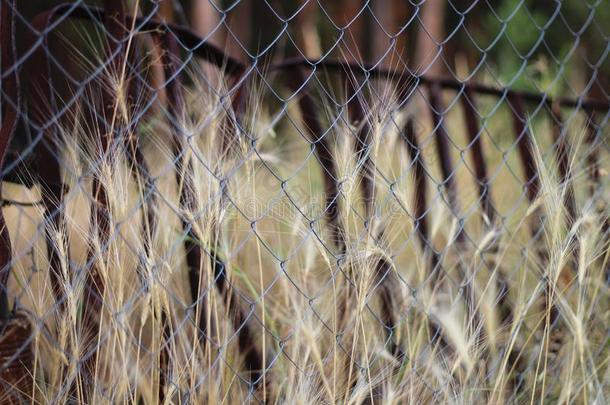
210 53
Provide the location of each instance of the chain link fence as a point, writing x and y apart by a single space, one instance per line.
284 201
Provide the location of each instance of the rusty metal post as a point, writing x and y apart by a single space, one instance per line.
442 149
329 64
480 168
420 220
594 172
524 147
323 152
183 171
93 305
437 109
16 380
9 115
476 148
421 189
321 148
140 171
252 357
194 250
364 138
562 151
387 281
16 359
592 157
385 277
46 154
532 186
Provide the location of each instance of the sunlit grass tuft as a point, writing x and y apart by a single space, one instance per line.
349 320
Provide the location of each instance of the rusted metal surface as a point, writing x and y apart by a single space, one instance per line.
420 220
195 254
46 153
480 170
524 147
16 360
140 171
109 125
322 149
188 200
421 190
562 155
298 81
437 110
384 271
188 39
366 166
230 65
193 249
16 364
375 71
164 355
387 280
476 148
9 122
592 157
246 339
532 188
489 221
594 173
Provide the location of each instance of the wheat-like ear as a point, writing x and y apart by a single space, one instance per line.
230 245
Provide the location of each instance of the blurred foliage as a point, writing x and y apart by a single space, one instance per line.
536 44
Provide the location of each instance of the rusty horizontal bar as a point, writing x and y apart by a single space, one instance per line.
445 83
214 55
187 37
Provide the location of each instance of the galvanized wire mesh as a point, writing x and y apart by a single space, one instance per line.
166 160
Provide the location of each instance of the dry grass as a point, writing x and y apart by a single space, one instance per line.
316 310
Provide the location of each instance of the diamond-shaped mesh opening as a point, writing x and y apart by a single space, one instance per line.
304 201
